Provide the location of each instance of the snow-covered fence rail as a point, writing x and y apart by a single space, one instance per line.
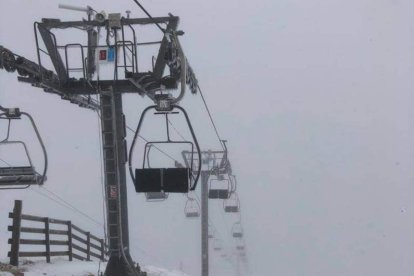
80 244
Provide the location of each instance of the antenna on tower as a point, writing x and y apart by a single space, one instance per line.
89 10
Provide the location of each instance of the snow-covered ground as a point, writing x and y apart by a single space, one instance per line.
79 268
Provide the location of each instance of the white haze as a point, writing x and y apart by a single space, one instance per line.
315 98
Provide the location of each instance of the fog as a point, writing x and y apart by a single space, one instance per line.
315 100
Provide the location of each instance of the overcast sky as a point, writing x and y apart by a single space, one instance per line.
315 98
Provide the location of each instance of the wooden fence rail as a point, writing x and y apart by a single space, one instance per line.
80 244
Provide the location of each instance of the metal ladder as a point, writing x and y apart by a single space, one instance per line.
128 64
111 174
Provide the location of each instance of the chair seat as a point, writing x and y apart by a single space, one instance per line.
192 215
218 194
156 196
231 209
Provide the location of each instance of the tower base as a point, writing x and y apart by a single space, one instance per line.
117 266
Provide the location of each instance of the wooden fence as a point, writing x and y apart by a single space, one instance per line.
81 245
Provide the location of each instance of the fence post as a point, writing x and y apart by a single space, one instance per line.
70 240
15 242
47 237
88 246
102 250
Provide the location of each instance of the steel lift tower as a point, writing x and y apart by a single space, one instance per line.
213 163
76 77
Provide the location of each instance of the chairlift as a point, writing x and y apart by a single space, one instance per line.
192 208
168 180
217 245
232 204
20 177
220 187
241 245
237 230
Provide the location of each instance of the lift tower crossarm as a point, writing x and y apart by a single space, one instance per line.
57 24
38 76
143 83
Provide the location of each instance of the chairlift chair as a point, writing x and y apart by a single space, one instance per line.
168 180
220 188
192 208
232 204
20 177
240 245
217 245
237 230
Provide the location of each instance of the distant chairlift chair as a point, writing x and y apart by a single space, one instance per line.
237 230
218 245
192 208
232 204
164 180
241 245
20 177
220 187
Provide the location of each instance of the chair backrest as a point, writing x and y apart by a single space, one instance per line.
169 180
13 171
237 234
156 196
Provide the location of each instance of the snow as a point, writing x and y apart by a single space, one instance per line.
154 271
60 267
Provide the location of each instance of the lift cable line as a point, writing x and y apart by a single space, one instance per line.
157 148
149 16
67 205
211 117
72 208
175 129
146 140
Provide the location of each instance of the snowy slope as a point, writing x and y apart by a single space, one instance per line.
79 268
